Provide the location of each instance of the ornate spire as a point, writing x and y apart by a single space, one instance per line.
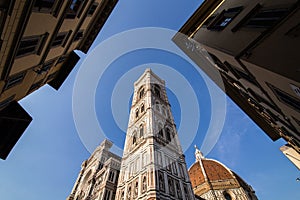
198 154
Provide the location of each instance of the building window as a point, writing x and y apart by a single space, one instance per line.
78 35
6 101
111 176
100 166
30 45
224 18
136 113
92 9
171 186
129 193
160 130
141 93
134 137
141 130
285 98
186 193
265 18
60 39
75 9
144 186
168 134
157 90
14 80
107 195
43 5
142 108
161 181
227 196
136 189
178 190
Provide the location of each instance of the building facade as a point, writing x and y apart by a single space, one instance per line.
211 180
153 164
253 45
98 177
37 43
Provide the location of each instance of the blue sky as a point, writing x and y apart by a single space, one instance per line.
46 160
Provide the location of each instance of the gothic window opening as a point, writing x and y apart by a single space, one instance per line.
129 192
141 93
186 194
144 186
171 186
157 90
111 176
160 130
142 108
178 190
224 18
168 134
134 138
141 130
107 194
161 182
136 189
136 113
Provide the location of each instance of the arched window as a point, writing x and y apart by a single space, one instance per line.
161 182
171 186
157 90
178 190
144 186
129 192
136 188
136 113
134 137
141 130
160 130
227 196
141 93
168 134
142 108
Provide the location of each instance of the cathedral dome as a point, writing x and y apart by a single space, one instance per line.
211 179
211 170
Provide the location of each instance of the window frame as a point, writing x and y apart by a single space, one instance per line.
277 92
38 46
61 42
220 22
71 13
14 80
93 5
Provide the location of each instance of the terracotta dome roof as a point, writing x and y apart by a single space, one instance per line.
212 170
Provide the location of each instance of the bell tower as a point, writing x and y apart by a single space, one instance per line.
153 165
